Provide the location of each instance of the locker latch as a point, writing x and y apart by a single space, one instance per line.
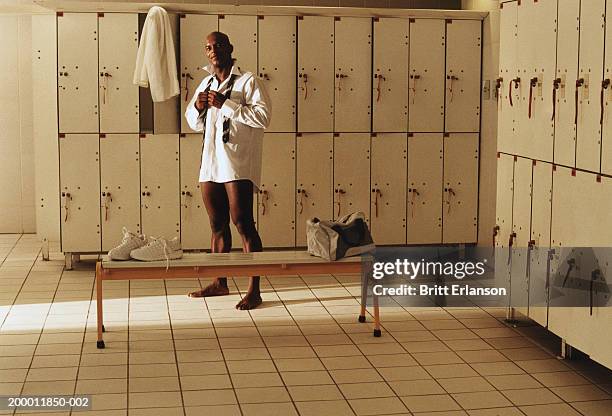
304 78
340 77
579 83
533 82
604 86
264 76
185 195
495 234
303 195
104 84
264 200
186 76
377 194
516 81
107 200
413 194
451 193
414 83
67 198
380 78
498 84
556 86
340 192
451 78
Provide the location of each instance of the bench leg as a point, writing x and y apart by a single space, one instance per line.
99 312
377 332
364 296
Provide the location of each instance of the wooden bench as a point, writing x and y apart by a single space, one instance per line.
199 265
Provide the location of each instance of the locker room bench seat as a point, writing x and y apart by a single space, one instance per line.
236 264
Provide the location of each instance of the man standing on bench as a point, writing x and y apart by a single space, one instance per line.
232 109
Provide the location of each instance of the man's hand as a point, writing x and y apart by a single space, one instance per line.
202 101
215 99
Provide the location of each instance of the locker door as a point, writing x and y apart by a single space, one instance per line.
314 181
77 70
460 208
524 134
426 80
425 164
120 186
540 236
351 174
195 227
606 139
118 95
463 51
194 28
521 224
388 197
159 185
79 192
539 73
277 191
507 71
568 27
588 145
242 32
503 213
390 75
353 55
315 74
277 67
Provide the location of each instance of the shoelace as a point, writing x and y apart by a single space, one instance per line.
165 244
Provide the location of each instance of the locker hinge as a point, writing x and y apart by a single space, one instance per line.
534 163
182 135
554 168
100 14
412 20
515 158
336 134
59 14
373 135
61 136
598 178
446 134
573 172
449 21
337 19
410 134
298 135
518 3
260 17
498 155
300 17
182 16
143 136
376 19
102 135
221 16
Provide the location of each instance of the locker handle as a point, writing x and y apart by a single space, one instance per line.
377 193
532 83
595 274
264 76
187 77
414 193
516 82
378 89
107 200
451 193
414 82
579 83
340 192
510 244
303 195
571 265
556 86
495 234
451 78
67 197
604 86
264 199
304 83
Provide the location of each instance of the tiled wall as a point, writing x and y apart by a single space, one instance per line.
16 139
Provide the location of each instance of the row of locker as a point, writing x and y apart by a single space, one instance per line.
543 211
554 94
415 189
323 73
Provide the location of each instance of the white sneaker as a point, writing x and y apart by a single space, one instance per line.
158 249
131 241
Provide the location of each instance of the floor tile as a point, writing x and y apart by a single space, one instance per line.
481 400
306 378
211 397
380 406
314 393
583 393
416 387
366 390
256 380
559 409
268 409
262 395
595 408
465 384
319 408
355 376
513 381
430 403
558 379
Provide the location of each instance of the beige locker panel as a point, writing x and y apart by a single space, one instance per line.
463 51
315 74
159 185
537 61
277 68
540 235
353 71
118 94
166 117
424 205
277 191
567 74
507 71
194 28
77 71
195 226
351 174
606 117
460 197
588 144
314 181
426 79
388 188
79 192
120 187
242 32
503 212
390 92
521 229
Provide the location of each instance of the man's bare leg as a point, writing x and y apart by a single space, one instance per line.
217 205
240 195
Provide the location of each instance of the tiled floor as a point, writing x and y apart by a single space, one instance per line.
303 353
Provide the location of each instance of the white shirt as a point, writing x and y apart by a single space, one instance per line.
249 110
